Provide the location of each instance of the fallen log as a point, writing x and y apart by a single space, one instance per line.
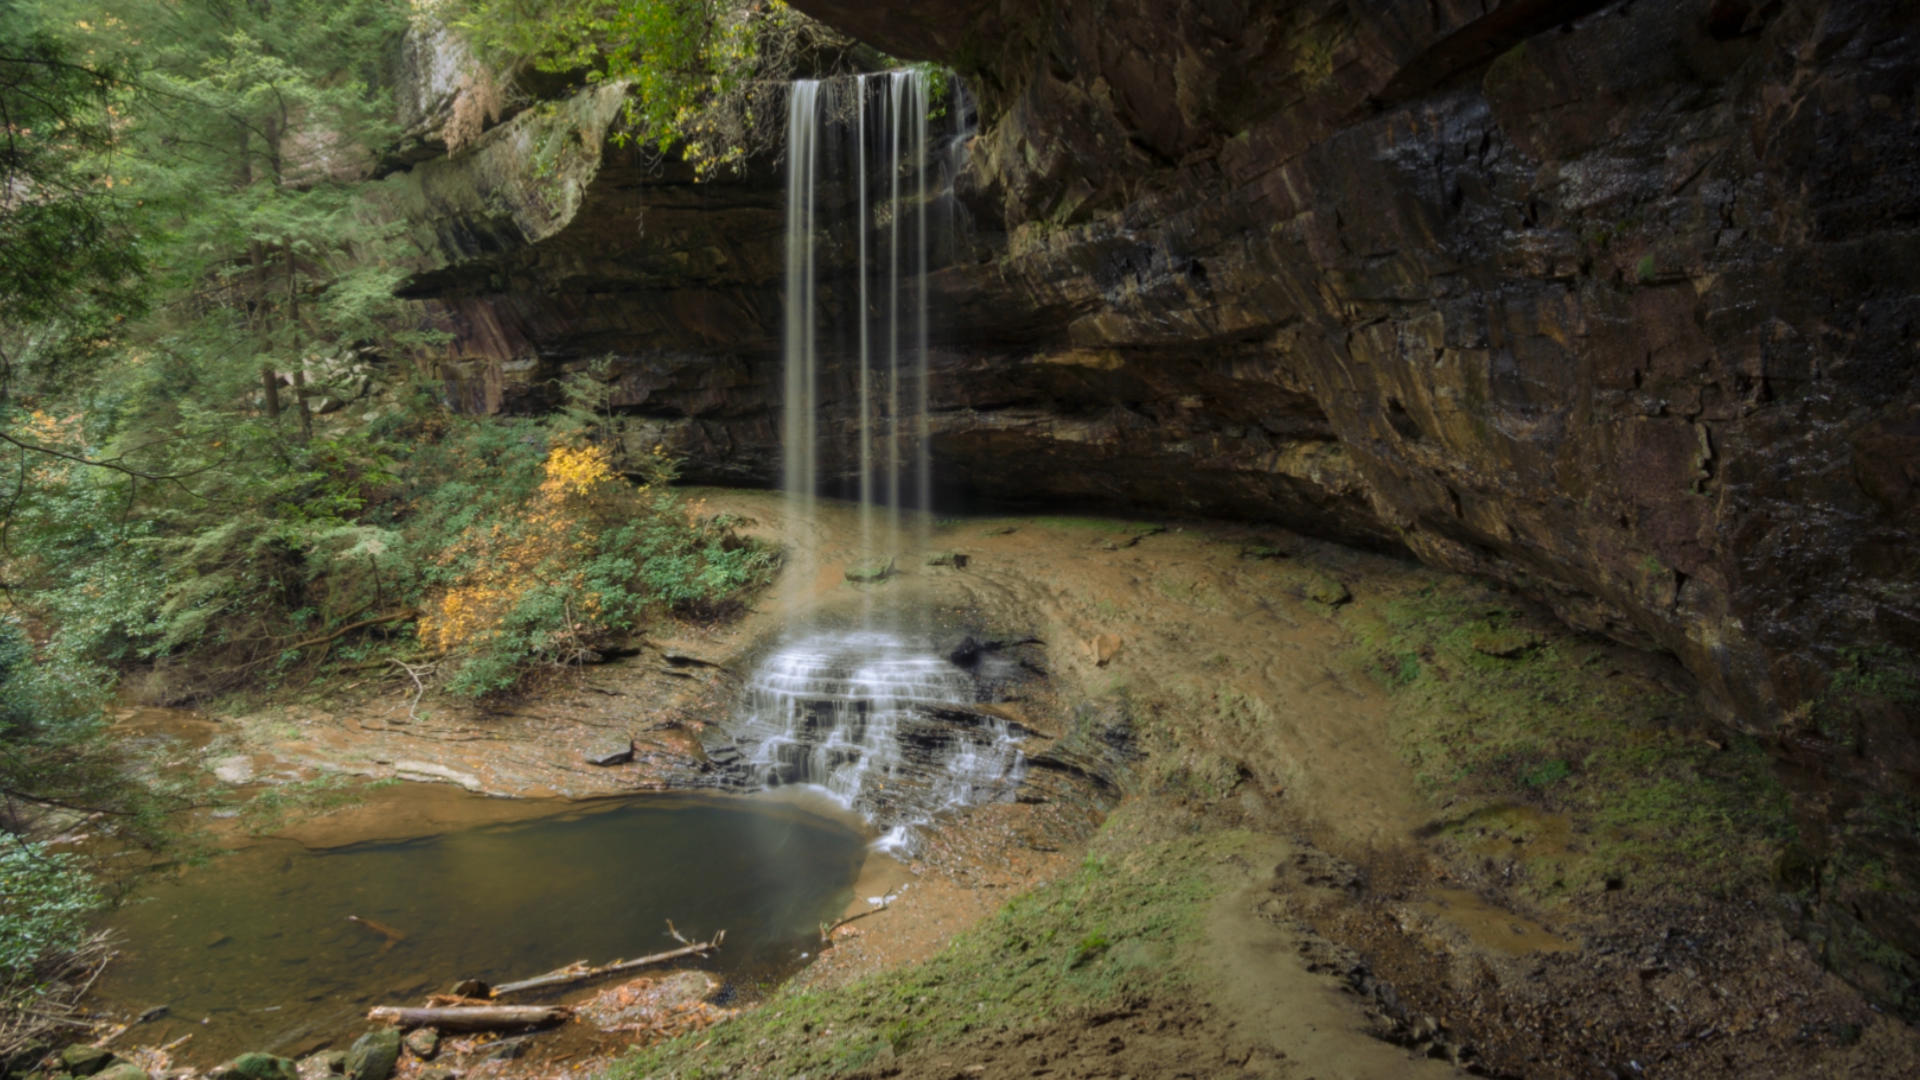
580 972
471 1017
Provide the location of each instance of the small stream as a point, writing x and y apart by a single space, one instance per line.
256 952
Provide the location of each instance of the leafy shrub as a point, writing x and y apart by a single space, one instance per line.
45 900
55 760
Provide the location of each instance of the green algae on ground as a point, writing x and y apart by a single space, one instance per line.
1122 925
1494 712
1115 526
274 808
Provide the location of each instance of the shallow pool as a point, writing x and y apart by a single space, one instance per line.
256 952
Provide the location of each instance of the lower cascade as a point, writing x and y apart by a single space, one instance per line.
889 728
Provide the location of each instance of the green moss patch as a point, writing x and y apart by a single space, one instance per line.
1502 716
1119 927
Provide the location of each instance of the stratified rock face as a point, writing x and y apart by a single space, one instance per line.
1618 302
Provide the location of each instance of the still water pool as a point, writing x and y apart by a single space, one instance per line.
258 944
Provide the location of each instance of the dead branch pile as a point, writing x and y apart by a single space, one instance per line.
656 1009
45 1002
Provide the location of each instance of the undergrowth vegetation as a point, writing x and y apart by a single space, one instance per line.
472 549
1564 750
1121 926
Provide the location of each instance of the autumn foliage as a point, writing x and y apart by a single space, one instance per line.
584 560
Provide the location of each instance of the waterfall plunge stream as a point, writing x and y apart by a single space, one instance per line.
875 717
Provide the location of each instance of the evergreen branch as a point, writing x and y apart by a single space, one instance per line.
115 463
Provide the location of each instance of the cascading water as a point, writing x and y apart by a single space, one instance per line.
883 724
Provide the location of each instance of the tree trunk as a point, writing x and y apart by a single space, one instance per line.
269 378
299 364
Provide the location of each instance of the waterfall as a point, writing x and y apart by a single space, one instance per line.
800 422
884 724
841 136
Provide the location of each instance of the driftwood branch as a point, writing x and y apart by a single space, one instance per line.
581 972
394 937
419 687
879 905
471 1017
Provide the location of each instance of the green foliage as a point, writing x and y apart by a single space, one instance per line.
55 760
530 552
69 265
1866 676
259 571
1550 773
701 74
45 901
706 79
1091 947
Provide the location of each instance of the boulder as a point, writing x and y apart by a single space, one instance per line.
1324 589
122 1070
373 1055
423 1043
618 753
321 1066
84 1060
262 1067
870 571
947 558
963 653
